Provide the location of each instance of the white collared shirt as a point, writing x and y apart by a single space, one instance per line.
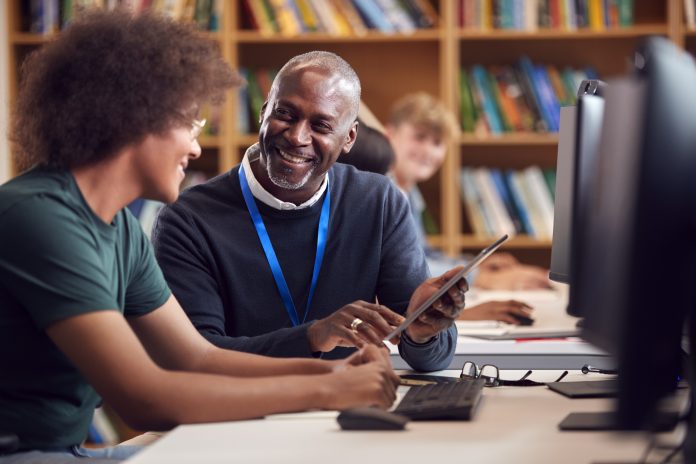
261 194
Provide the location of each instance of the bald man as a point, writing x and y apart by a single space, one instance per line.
288 253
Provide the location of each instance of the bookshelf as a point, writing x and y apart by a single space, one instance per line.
391 65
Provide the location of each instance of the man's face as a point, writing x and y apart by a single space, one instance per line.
305 127
419 153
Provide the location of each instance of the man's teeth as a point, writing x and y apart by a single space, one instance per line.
291 158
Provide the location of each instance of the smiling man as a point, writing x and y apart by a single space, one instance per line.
288 253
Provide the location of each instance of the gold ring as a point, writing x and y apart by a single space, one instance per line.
354 325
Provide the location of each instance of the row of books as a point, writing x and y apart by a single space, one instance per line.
510 202
523 97
336 17
49 16
252 96
530 15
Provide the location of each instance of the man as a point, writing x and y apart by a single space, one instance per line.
288 253
106 113
419 128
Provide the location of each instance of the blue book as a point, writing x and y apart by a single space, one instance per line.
528 75
488 105
243 124
516 199
504 194
374 15
548 97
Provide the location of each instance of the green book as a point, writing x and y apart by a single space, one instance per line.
467 110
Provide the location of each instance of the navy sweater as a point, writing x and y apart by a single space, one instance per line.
213 261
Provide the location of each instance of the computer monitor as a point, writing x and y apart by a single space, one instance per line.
580 129
636 267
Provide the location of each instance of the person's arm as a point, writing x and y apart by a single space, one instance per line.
190 267
150 395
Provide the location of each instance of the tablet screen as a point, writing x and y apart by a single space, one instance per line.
471 265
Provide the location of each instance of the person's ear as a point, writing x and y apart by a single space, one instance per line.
262 112
350 138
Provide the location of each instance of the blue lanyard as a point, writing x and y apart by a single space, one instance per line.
322 236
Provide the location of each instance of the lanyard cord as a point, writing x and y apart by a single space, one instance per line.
281 284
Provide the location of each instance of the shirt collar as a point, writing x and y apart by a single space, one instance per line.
261 194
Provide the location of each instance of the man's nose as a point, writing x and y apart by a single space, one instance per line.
299 133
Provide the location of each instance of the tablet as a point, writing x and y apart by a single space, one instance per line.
473 264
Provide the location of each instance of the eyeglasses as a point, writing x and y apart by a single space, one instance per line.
197 127
491 375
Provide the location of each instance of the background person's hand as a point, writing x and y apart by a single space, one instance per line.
499 260
336 330
497 311
442 312
516 277
365 378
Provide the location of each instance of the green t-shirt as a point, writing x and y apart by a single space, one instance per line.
58 260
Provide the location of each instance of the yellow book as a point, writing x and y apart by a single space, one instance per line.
309 18
285 17
596 11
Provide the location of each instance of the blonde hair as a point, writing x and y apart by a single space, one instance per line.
424 111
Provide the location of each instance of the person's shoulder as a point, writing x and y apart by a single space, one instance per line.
41 189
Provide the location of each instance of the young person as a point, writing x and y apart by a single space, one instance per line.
419 128
288 253
107 113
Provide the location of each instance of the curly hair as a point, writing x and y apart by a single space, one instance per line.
108 81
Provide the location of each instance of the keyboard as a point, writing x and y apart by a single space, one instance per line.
442 401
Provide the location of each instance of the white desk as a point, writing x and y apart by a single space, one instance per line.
549 313
512 425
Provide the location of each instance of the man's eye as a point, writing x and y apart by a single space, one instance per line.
282 113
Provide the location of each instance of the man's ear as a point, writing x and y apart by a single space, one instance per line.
350 138
262 111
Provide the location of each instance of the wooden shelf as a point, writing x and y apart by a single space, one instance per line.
243 36
246 140
509 139
26 38
467 241
555 34
391 65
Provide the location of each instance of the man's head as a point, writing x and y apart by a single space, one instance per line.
307 122
419 128
111 81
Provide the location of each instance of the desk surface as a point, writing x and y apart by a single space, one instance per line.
512 425
549 313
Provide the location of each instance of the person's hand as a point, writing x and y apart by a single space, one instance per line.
498 261
497 311
443 311
366 378
517 277
354 325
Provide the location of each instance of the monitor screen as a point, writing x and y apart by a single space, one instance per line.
579 134
632 270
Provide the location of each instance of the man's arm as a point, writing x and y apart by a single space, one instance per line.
190 268
152 396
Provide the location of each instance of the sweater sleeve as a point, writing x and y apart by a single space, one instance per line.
403 268
189 266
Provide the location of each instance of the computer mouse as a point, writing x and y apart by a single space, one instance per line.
370 419
523 320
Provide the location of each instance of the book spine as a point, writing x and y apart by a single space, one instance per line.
481 85
504 195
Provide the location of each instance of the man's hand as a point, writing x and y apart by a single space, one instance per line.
443 311
341 328
497 311
365 378
498 261
516 277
